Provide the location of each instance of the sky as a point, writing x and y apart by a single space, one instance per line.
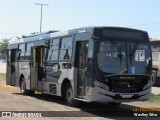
22 17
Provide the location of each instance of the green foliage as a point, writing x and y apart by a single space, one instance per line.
154 98
3 45
2 76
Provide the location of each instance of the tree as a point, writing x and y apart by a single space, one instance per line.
3 45
4 42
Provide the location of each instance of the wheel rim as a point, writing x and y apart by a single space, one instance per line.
69 94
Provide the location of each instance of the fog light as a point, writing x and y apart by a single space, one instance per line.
101 85
147 86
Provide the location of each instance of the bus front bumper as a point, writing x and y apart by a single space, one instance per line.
101 95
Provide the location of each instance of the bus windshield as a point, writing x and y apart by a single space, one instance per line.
116 56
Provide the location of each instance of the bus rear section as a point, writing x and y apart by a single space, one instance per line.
25 66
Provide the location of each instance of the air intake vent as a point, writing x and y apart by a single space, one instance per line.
52 88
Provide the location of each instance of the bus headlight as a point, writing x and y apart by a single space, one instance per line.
101 85
147 86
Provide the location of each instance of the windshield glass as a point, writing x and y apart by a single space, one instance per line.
117 57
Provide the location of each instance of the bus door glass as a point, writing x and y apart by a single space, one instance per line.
8 74
37 67
82 55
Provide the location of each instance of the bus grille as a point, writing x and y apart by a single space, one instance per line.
126 83
125 90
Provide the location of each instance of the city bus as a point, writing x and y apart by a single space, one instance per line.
155 47
91 64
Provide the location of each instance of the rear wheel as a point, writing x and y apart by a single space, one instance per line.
69 96
23 89
114 104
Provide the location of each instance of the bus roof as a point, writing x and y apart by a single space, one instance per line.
52 34
49 35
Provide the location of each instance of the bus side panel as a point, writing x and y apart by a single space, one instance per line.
17 74
8 73
66 73
28 86
24 69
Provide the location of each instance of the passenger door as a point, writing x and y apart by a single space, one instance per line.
8 72
37 68
82 55
11 68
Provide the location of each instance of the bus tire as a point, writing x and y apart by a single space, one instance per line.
69 96
114 104
23 89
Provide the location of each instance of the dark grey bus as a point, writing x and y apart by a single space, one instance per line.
92 64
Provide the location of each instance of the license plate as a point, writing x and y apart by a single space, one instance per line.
126 96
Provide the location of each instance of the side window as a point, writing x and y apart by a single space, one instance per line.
66 49
13 55
55 66
28 51
21 51
53 49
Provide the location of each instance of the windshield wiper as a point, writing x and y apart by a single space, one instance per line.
130 54
120 55
120 51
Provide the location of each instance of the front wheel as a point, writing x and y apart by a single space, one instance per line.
23 89
69 96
